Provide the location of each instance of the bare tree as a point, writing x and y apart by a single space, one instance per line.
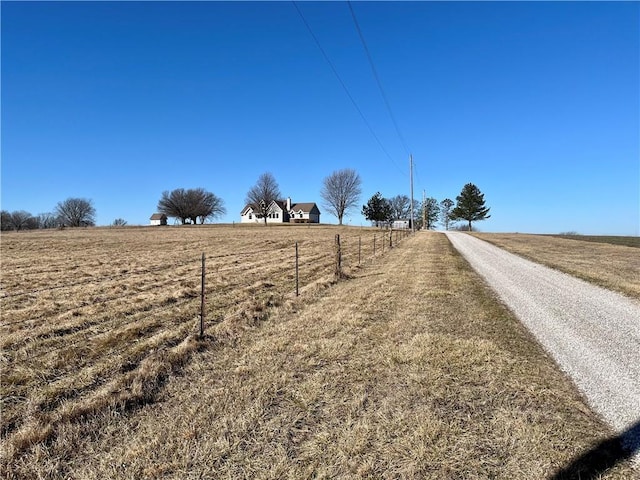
33 223
208 206
119 222
261 195
76 212
446 206
174 204
400 207
5 220
341 192
48 220
18 220
191 204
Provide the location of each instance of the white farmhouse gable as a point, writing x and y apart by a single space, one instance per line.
282 211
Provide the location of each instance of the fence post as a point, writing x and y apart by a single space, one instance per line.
202 302
359 248
383 242
338 272
374 244
390 239
297 291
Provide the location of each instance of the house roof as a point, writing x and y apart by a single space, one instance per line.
248 206
305 207
280 203
158 216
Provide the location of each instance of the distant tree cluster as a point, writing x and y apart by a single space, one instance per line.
191 205
470 207
72 212
340 194
383 211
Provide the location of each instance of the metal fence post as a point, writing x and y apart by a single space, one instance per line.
338 257
202 300
297 291
359 248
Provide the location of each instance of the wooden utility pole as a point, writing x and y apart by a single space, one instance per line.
411 177
424 212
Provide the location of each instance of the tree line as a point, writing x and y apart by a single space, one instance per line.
72 212
340 195
469 206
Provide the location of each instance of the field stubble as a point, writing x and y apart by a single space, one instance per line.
96 320
411 369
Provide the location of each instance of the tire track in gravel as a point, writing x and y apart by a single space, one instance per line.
592 333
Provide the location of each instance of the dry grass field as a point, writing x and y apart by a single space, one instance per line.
98 318
409 368
612 263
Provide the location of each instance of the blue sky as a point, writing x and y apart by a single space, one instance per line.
537 103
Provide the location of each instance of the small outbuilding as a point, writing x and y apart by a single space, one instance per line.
158 219
401 224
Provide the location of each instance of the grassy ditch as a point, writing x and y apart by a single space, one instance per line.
410 369
612 266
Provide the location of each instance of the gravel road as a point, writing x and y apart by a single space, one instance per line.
592 333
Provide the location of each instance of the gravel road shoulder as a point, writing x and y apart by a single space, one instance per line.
592 333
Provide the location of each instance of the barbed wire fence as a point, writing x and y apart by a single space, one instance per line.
108 323
310 261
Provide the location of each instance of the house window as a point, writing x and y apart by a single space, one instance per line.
250 216
300 214
277 215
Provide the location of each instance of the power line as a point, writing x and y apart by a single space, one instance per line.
335 72
377 78
415 172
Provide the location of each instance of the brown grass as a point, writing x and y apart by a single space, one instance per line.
410 369
614 240
609 265
93 319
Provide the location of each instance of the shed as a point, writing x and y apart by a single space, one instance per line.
158 219
401 224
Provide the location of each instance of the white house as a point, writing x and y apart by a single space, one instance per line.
282 211
158 219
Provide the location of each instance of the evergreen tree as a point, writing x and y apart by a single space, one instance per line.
470 205
431 212
377 209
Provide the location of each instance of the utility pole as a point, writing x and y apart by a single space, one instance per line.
424 212
413 229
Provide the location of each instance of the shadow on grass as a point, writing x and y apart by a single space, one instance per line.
603 456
